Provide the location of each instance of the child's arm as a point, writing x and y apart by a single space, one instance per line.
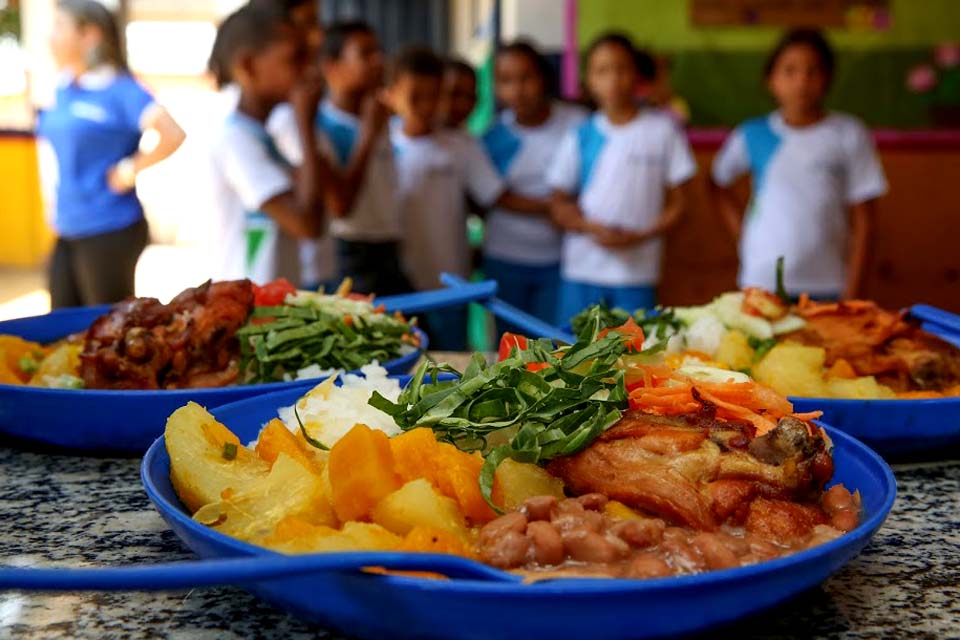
340 199
522 204
861 227
676 199
729 207
299 212
566 214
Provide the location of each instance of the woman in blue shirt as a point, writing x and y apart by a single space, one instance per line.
95 127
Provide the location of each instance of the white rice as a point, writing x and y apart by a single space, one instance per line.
705 334
329 412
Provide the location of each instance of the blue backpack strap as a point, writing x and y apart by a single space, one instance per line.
502 146
342 137
590 141
761 141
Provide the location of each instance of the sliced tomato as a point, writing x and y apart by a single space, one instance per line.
536 366
509 341
632 334
273 293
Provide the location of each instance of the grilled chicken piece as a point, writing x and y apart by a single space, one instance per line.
701 472
880 343
191 342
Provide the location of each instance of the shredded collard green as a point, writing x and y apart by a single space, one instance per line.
505 410
296 337
661 322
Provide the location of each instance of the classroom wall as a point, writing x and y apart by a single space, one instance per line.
719 69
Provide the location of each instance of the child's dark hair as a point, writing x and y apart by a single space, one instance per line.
802 37
644 63
538 60
417 61
337 35
284 6
458 65
248 30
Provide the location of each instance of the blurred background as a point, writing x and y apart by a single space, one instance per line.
898 69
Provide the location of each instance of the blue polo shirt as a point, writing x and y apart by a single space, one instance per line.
94 124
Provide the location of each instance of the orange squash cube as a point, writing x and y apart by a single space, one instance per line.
361 472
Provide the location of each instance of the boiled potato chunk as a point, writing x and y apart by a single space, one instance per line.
252 514
793 370
515 482
418 504
864 388
293 535
199 466
64 360
734 350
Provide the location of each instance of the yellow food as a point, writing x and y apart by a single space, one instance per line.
199 471
293 535
620 511
798 370
276 439
515 482
418 454
793 369
361 472
864 388
290 489
427 540
418 504
735 351
64 360
12 350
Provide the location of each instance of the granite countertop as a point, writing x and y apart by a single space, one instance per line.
59 510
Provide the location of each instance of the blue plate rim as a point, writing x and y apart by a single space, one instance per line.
864 531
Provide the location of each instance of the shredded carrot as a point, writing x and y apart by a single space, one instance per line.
662 391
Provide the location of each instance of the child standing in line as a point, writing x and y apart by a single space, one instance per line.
618 183
437 167
352 129
459 97
262 207
522 248
815 177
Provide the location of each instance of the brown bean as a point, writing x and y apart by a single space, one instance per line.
845 520
683 556
639 533
823 533
547 545
588 546
736 544
621 548
836 498
648 565
539 507
569 515
511 522
715 553
506 551
593 501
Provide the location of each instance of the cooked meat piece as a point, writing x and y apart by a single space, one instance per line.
191 342
880 343
783 522
684 473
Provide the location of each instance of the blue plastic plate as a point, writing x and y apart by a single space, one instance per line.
88 420
371 606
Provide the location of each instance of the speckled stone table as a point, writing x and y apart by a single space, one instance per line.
58 510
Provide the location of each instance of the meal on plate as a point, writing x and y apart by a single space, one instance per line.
851 349
591 459
214 335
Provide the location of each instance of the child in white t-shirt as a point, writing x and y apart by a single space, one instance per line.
436 167
522 248
617 183
815 180
262 208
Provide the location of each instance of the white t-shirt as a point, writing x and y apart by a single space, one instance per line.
318 258
621 173
247 171
435 172
522 156
804 179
